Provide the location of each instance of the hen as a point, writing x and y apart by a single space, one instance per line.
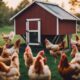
76 42
74 51
10 72
29 58
68 70
54 47
9 51
38 70
8 37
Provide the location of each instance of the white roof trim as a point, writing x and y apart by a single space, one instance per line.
21 10
37 2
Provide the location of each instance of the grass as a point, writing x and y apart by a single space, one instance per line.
23 69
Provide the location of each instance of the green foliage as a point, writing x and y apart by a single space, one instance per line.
5 14
21 5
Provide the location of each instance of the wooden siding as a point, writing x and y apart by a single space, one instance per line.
67 27
48 21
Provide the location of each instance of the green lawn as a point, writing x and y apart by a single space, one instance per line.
23 69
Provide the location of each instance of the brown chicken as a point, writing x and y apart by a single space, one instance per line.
39 70
9 51
68 70
54 49
29 58
10 72
8 37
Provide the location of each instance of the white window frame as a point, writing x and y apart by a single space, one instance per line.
38 31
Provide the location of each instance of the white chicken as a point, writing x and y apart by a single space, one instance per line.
38 70
75 54
54 47
8 37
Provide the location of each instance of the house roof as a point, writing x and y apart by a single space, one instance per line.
51 8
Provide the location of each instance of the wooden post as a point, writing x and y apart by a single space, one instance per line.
69 40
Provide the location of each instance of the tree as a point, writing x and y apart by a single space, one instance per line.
75 6
5 13
21 5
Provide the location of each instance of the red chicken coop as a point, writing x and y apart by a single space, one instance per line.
40 20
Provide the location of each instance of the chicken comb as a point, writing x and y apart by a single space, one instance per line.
41 52
63 56
28 48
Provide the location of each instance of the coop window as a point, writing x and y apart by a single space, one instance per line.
33 31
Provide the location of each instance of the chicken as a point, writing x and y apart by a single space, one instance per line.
74 51
8 37
75 54
76 42
10 72
9 51
54 47
68 70
1 50
29 58
55 54
39 70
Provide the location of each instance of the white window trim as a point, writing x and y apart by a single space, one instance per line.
34 19
39 31
57 30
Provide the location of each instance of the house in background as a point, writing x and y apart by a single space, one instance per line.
41 20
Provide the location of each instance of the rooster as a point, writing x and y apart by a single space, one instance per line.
8 37
9 51
10 72
39 70
68 70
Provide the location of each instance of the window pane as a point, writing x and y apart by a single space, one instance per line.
33 37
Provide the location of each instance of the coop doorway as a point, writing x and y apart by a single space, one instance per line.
33 31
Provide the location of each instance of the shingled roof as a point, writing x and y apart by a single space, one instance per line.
51 8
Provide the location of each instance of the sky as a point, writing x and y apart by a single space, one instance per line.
14 3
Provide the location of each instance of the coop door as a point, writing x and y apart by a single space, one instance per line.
33 28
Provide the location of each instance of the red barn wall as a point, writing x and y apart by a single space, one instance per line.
67 26
48 21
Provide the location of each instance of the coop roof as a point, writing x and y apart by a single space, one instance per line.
51 8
